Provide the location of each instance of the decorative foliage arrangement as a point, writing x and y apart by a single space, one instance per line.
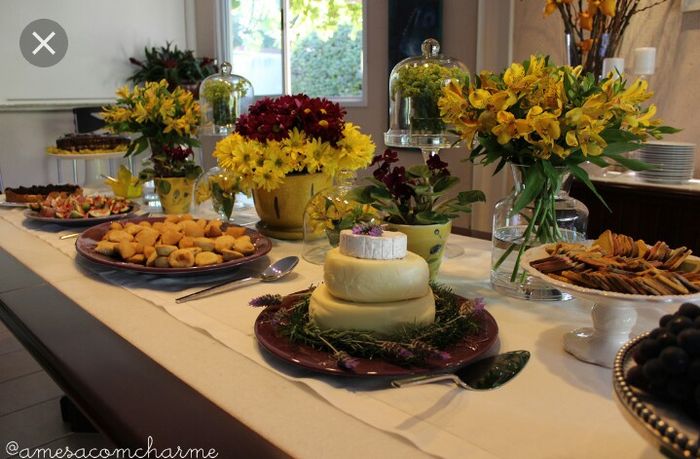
550 119
292 135
167 120
219 94
173 65
423 84
414 196
596 27
455 319
331 214
221 188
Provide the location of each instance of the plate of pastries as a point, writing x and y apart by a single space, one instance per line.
22 196
171 245
75 208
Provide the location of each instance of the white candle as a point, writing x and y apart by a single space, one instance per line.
644 61
615 65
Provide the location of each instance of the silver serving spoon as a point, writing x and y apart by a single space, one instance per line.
275 271
486 374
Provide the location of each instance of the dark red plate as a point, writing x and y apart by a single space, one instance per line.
86 242
467 349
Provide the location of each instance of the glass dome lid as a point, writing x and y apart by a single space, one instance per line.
224 97
415 86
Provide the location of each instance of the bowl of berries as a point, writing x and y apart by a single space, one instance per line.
656 377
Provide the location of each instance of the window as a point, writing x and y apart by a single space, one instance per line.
292 46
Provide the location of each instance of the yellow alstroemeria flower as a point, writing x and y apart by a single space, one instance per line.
452 103
139 114
501 100
544 123
639 123
123 93
509 127
606 7
585 20
478 98
551 6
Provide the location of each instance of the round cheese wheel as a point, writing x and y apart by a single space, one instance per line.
368 281
327 312
391 245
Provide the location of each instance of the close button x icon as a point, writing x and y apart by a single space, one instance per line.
44 43
52 42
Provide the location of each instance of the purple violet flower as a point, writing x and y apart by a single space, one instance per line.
369 229
442 355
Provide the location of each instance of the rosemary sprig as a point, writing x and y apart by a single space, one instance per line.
455 318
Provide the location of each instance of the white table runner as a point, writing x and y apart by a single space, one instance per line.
558 406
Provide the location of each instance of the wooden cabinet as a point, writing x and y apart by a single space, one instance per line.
644 211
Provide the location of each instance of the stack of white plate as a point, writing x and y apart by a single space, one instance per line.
674 161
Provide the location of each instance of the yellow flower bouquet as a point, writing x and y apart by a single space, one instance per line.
167 120
548 120
292 135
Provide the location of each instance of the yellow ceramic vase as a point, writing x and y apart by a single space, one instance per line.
175 194
281 211
428 241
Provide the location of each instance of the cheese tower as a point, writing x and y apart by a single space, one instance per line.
372 283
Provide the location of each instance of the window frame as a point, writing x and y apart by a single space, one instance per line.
223 50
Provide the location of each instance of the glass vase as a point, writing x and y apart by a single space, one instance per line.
511 236
221 186
328 212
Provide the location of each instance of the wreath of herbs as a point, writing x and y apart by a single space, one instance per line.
455 318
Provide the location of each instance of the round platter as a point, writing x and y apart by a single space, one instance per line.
106 155
4 203
466 350
88 239
539 252
34 216
663 425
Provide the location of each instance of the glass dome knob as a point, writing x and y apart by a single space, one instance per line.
430 48
226 68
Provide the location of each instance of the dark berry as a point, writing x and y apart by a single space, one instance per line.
658 389
693 371
689 310
675 360
656 332
665 320
689 340
649 348
636 378
654 371
680 389
679 324
666 339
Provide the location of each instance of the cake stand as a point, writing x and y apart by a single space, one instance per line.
614 314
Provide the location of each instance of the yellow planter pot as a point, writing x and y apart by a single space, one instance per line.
281 211
175 194
428 241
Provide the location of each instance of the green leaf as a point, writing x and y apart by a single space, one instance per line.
429 217
598 161
534 185
164 186
471 196
445 183
667 129
621 147
629 163
418 171
582 175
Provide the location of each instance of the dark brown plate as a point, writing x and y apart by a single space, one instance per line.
467 349
33 215
86 242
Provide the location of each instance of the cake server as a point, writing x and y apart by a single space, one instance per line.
485 374
275 271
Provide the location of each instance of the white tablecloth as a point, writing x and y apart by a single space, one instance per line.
558 406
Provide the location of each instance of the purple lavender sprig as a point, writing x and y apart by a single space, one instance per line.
266 300
345 360
369 229
472 306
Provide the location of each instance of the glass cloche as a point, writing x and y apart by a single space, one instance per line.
414 90
223 97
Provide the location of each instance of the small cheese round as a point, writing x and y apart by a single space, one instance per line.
327 312
368 281
391 245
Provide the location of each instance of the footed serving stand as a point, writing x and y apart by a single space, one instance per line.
614 315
